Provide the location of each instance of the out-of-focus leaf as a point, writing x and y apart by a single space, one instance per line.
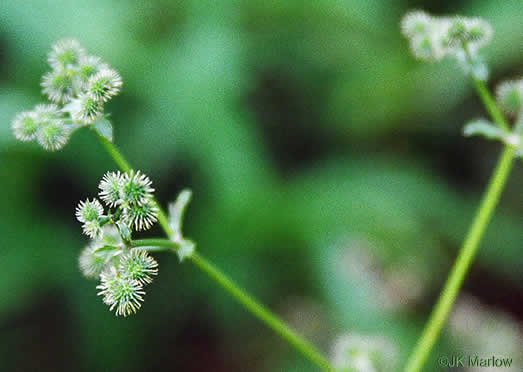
485 128
104 128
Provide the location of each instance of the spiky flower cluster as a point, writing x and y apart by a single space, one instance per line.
356 353
122 269
433 38
129 194
78 86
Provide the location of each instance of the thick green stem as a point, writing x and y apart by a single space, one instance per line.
258 310
470 246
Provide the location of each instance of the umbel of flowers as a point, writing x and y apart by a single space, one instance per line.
433 38
122 269
77 88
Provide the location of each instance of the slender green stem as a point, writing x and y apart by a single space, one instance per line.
165 244
490 103
239 294
126 167
470 246
263 313
258 310
484 94
114 152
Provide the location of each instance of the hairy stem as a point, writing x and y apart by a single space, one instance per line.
258 310
470 246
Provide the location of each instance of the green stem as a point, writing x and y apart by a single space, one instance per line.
245 299
113 151
165 244
486 97
490 103
262 313
126 167
258 310
470 246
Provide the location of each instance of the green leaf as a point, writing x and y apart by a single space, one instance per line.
106 250
484 128
125 232
104 128
518 125
186 249
176 212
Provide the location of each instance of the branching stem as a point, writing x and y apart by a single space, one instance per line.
258 310
470 246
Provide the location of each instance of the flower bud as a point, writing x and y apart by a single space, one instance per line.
97 257
142 216
89 210
84 109
104 85
416 23
122 294
54 135
111 188
58 85
65 53
136 188
89 66
138 265
25 126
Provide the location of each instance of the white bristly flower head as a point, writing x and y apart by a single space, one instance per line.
94 259
89 66
65 53
25 126
90 263
93 229
123 295
425 34
356 353
509 95
141 216
111 188
84 109
416 23
138 265
136 188
433 38
479 34
104 85
46 113
89 210
54 135
58 85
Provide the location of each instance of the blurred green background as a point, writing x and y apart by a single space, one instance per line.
329 173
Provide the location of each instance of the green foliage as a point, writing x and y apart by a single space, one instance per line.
295 126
